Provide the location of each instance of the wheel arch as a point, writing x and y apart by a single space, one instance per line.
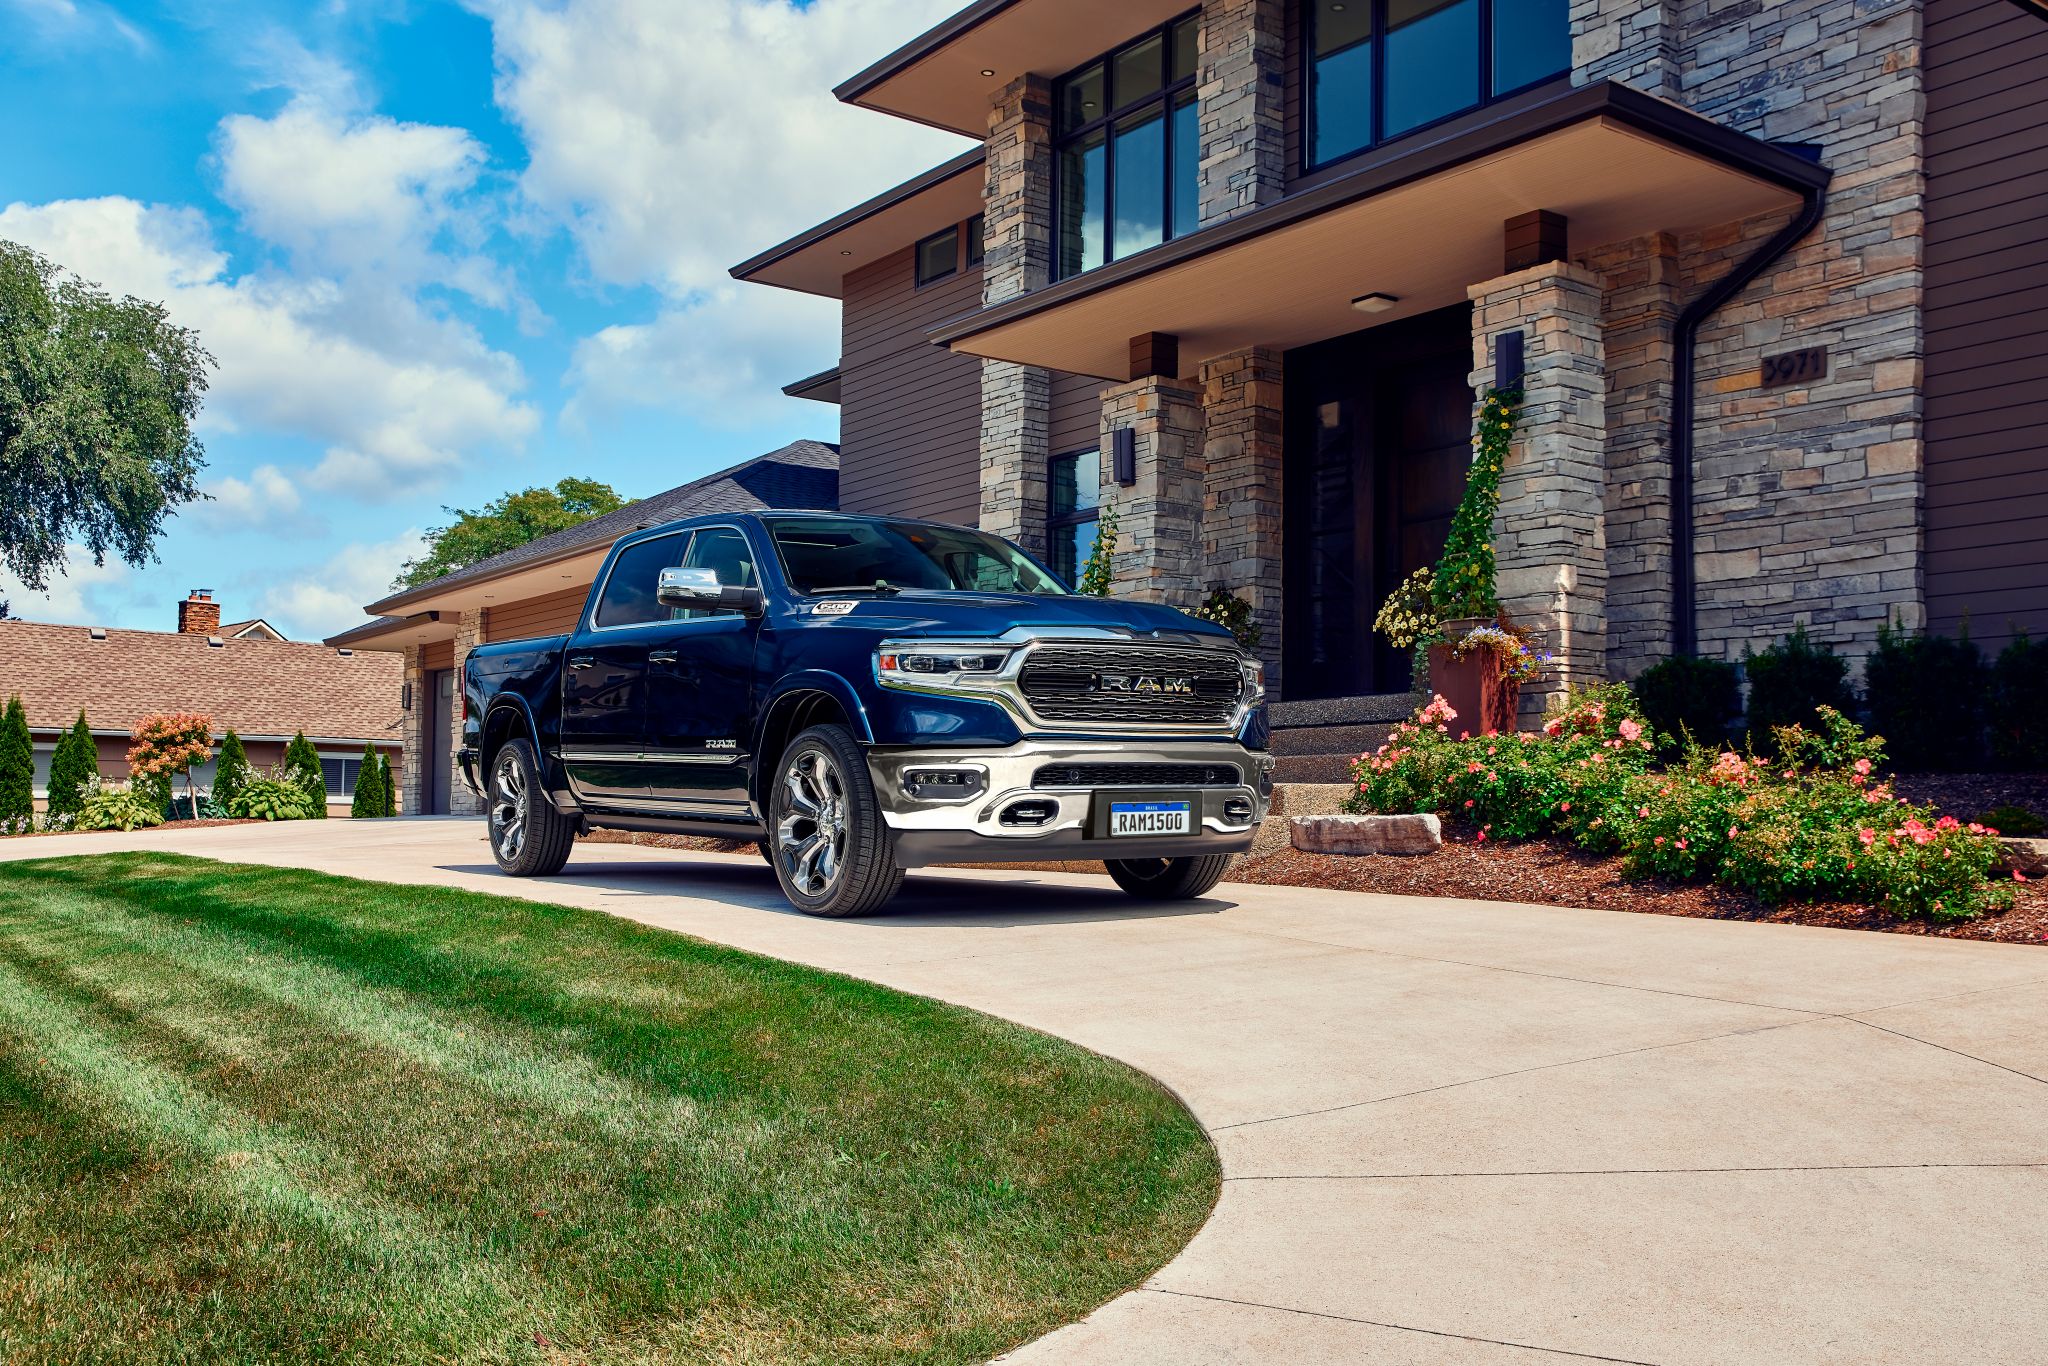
804 701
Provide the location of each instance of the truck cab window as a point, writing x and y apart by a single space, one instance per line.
629 594
724 551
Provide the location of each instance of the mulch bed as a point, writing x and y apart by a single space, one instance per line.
1967 796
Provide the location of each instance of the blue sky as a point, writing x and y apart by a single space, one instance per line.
441 250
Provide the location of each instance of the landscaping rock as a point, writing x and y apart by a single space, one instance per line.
2026 857
1368 834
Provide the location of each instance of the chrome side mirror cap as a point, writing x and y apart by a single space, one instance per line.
701 588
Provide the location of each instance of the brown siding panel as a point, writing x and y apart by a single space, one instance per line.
1987 319
439 654
552 614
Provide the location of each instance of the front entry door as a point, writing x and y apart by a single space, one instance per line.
1378 441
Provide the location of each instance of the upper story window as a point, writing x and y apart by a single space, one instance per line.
974 235
938 256
1380 68
1128 144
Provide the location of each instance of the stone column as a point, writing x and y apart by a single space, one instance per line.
1239 81
1017 247
1636 42
468 635
414 741
1242 508
1550 534
1159 518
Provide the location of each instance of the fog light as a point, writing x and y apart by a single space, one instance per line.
944 784
1238 811
1034 812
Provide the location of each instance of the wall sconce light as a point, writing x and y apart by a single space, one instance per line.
1124 449
1507 361
1374 303
405 697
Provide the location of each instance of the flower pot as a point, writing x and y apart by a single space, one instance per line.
1482 699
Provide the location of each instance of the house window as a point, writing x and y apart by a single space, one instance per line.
1127 150
341 775
1075 504
938 256
974 229
1380 68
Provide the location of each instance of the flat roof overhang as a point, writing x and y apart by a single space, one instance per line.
818 260
1422 224
936 78
388 635
822 387
576 568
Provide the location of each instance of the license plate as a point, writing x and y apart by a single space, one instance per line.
1150 818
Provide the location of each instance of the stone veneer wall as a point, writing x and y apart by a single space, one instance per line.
1159 543
468 635
1017 246
1243 52
412 770
1243 504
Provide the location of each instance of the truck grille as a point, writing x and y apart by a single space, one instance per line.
1138 775
1132 684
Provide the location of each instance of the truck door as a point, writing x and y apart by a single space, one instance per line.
700 683
604 675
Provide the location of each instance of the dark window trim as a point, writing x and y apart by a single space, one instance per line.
976 233
1056 522
1379 137
1164 97
917 257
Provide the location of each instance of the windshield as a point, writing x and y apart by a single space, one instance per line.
830 555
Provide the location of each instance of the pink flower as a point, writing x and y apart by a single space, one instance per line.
2018 876
1468 803
1660 839
1564 806
1480 838
1731 832
1630 730
1681 844
1474 766
1862 766
1643 813
1867 836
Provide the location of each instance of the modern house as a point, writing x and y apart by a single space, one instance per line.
257 683
538 589
1772 276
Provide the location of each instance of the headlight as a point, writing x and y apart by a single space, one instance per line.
1254 680
916 664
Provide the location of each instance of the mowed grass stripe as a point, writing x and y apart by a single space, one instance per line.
540 1121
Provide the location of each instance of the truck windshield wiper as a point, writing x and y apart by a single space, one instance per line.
881 588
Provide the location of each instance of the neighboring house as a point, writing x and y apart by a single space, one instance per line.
1773 275
262 686
537 589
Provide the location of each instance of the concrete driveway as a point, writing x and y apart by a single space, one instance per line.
1458 1131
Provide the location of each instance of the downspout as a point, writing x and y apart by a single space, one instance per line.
1685 334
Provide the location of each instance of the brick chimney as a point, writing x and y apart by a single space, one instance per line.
199 614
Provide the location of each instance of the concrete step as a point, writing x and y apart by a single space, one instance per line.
1353 740
1345 711
1313 768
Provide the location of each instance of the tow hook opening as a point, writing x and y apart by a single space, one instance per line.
1031 812
1238 811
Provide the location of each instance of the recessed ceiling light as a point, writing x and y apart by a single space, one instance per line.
1374 303
988 71
846 251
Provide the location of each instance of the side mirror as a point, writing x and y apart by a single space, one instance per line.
701 588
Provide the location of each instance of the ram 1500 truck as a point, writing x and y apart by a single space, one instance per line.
863 695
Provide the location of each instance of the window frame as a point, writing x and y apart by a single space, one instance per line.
975 233
1165 98
1056 522
951 231
1306 75
591 622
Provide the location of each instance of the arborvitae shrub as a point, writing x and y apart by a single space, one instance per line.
1687 696
1926 698
1790 682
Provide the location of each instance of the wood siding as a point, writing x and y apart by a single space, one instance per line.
1076 421
551 614
1987 318
439 654
909 412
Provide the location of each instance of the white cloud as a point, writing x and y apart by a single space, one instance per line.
673 149
327 599
266 499
724 358
69 23
74 597
395 406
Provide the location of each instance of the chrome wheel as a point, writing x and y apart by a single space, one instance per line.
810 839
508 807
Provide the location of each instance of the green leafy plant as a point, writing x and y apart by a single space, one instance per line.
118 806
507 522
1098 575
278 795
1925 693
384 776
2012 819
2017 710
302 762
17 768
1689 699
1463 585
368 801
230 770
75 763
1790 682
1233 613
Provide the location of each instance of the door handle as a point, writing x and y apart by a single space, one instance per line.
582 661
661 657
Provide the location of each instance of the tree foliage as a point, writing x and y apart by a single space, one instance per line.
302 767
17 768
97 400
167 745
73 766
231 774
505 523
390 785
368 802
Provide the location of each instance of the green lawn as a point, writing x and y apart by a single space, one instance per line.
253 1115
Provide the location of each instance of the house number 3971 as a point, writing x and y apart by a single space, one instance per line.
1803 366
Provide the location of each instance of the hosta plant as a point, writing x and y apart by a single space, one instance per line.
271 797
117 806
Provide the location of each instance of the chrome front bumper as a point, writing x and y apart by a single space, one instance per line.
934 824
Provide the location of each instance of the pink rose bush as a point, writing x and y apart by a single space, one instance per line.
1815 823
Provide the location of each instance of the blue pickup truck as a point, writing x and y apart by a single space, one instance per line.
863 695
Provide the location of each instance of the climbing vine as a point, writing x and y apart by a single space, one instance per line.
1098 574
1464 585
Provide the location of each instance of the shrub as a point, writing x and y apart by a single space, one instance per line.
168 744
17 767
390 785
231 771
368 802
302 763
1233 613
1790 682
278 795
1925 695
2017 708
1687 698
2010 819
117 806
75 763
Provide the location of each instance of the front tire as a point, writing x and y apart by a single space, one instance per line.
826 837
529 838
1169 879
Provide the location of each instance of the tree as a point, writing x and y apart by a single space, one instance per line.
390 785
368 801
302 766
75 763
168 744
17 769
500 525
231 774
97 400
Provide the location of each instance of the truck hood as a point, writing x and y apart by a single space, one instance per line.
916 612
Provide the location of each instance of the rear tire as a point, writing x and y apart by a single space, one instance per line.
1169 879
529 838
832 850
